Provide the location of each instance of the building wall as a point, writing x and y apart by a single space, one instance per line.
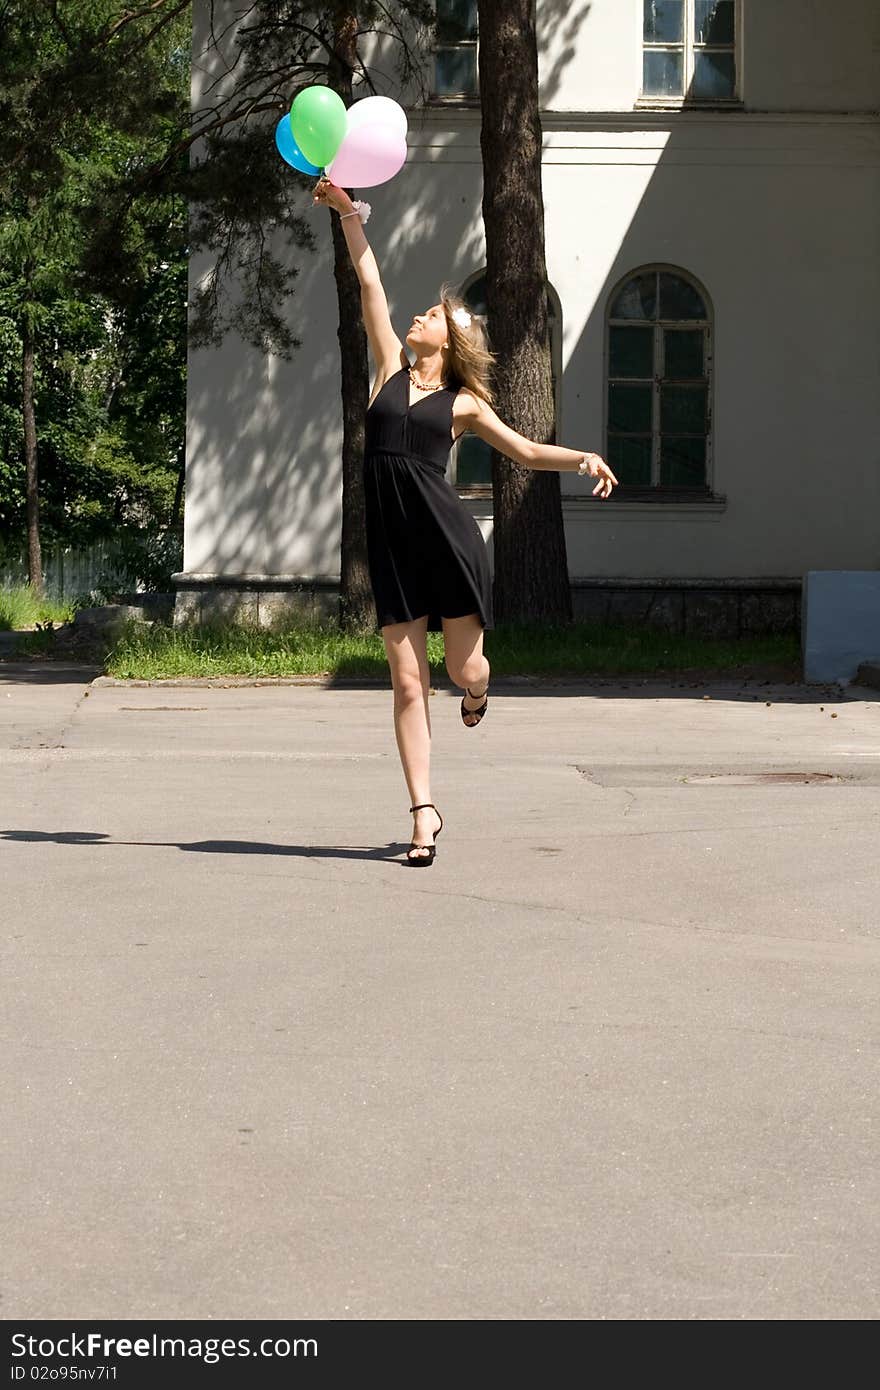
775 211
796 55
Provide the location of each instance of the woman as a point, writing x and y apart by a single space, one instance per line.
427 559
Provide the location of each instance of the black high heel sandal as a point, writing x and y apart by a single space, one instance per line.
478 712
424 858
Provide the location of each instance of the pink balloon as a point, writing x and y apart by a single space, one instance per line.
369 154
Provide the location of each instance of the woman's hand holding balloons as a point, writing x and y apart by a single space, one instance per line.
329 194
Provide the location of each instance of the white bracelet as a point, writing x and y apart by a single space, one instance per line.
583 466
361 210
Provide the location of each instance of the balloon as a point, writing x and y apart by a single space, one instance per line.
290 150
368 155
317 121
377 111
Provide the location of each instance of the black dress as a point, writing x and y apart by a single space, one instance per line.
425 550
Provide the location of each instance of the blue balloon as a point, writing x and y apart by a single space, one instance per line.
290 150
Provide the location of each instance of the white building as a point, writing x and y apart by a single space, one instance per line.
711 220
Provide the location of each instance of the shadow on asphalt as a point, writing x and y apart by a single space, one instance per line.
49 672
389 852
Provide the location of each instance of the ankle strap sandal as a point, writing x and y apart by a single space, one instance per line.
429 857
477 713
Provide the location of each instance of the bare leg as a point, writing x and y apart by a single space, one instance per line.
465 662
407 652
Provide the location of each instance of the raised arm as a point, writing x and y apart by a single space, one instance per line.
385 346
482 419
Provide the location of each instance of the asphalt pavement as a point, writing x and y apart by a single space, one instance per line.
612 1056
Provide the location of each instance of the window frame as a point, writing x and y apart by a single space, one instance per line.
456 98
660 492
685 102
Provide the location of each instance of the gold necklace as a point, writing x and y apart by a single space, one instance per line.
418 385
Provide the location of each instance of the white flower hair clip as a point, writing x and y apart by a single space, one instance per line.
462 317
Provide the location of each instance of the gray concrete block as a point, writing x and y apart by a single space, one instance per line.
869 674
278 608
629 605
667 610
768 613
187 607
711 613
230 605
840 625
590 605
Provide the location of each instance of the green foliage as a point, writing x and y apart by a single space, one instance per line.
91 92
142 558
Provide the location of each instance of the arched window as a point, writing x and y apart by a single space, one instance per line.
471 458
658 358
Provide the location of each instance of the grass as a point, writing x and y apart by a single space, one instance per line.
21 607
582 649
316 647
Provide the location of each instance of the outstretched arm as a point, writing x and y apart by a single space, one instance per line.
484 422
385 345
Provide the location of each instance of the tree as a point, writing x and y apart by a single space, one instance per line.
86 91
531 569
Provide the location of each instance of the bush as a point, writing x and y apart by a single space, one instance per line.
139 558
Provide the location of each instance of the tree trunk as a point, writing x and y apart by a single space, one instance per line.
356 608
35 559
531 568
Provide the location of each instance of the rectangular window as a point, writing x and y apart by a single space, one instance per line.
689 52
455 54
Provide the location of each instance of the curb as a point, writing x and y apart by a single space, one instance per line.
510 683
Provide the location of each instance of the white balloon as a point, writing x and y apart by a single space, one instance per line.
376 111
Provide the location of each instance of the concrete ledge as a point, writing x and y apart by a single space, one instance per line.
724 608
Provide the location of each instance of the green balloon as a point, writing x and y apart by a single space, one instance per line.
318 122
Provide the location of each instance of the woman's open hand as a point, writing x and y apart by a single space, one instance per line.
598 468
330 194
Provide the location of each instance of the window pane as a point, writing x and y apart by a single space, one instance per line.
629 409
682 353
713 21
661 73
683 408
682 462
630 459
631 352
456 71
663 21
678 299
637 299
714 75
456 20
474 462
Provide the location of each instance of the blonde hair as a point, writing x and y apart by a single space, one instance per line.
469 361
